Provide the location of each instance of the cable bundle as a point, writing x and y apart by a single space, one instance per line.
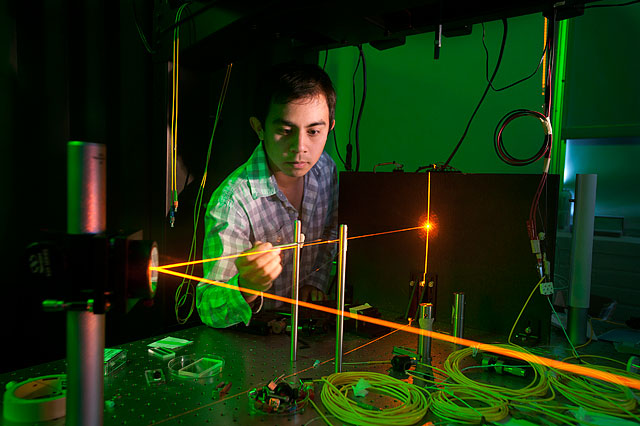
446 403
597 395
538 387
335 398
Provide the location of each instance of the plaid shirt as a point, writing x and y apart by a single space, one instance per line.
248 207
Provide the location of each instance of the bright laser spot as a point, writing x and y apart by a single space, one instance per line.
527 357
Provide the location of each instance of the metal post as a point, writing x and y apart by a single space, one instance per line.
86 214
425 321
581 257
297 231
342 268
457 315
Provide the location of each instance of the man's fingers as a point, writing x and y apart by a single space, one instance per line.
261 250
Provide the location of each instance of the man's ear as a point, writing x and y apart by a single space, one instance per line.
333 124
256 125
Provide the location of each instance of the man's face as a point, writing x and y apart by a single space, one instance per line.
295 135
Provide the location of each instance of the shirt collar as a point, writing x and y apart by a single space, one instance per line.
260 179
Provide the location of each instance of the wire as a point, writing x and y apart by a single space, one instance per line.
143 38
175 79
573 349
522 310
191 16
335 143
590 337
486 90
443 404
486 50
326 56
181 299
389 163
335 398
591 6
348 164
537 388
498 142
364 96
596 395
321 416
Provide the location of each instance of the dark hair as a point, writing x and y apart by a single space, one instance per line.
287 82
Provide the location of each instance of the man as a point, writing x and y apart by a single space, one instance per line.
287 177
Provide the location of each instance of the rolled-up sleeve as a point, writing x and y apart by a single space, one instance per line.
227 233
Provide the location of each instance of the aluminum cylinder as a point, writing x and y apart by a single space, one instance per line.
457 314
86 188
425 321
86 214
581 257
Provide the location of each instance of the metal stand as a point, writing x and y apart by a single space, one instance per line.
581 257
86 214
297 230
457 316
342 268
425 322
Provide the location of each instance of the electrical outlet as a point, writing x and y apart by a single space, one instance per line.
546 289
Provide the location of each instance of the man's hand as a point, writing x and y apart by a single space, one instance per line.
309 293
257 271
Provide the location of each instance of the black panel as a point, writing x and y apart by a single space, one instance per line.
478 243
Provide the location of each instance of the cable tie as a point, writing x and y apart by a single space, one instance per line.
546 125
475 350
535 246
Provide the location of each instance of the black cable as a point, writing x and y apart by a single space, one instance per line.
486 90
551 28
591 6
498 143
364 96
204 8
486 68
353 113
326 56
335 143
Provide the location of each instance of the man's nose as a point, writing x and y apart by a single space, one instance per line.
299 143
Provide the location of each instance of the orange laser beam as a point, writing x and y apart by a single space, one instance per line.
313 243
527 357
384 233
428 227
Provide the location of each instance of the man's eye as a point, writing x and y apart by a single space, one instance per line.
285 131
313 132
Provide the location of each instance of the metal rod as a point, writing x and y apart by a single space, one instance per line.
581 257
342 268
287 246
425 321
297 231
86 214
457 315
